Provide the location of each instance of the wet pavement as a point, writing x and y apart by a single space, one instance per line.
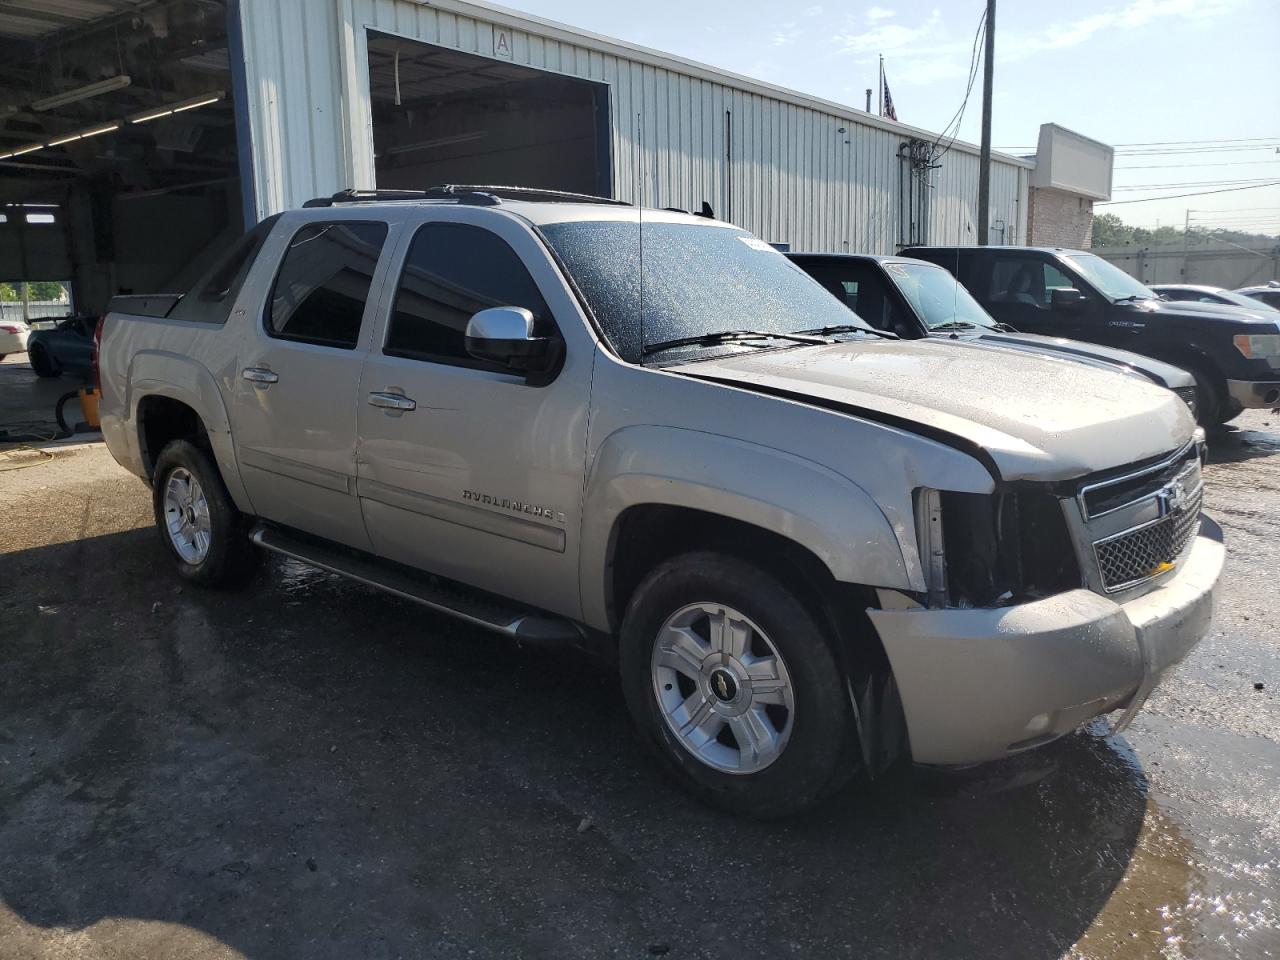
310 769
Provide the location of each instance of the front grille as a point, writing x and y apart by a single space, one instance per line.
1101 497
1188 395
1133 556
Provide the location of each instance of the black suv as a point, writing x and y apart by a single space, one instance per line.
1234 355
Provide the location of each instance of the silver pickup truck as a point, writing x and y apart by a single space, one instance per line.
812 547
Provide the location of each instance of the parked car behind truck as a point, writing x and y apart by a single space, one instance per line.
1233 355
915 298
813 546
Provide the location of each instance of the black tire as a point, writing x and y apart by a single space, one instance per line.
42 363
1213 406
1229 413
230 559
821 753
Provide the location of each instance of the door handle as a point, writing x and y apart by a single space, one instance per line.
259 375
392 401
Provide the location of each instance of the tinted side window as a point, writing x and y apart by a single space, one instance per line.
452 271
213 295
1017 280
876 303
323 283
836 279
1055 279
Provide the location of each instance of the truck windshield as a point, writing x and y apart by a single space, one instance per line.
1112 282
696 280
937 297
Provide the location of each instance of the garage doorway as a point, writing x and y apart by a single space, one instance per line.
117 128
442 116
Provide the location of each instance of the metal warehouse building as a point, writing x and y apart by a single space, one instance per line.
137 136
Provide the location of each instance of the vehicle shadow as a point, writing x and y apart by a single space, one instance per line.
309 768
1230 444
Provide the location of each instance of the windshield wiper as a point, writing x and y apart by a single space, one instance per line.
849 328
1005 328
954 325
1132 297
726 336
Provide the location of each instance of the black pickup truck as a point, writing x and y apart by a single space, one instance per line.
1234 355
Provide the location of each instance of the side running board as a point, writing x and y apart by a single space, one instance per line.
466 603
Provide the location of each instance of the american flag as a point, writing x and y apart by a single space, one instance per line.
889 112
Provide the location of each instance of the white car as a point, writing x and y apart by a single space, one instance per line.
13 337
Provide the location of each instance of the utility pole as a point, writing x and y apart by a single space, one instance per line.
1186 230
984 160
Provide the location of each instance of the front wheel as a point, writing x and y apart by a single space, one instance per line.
1213 406
736 686
198 523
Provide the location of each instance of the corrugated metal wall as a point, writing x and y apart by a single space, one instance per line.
804 172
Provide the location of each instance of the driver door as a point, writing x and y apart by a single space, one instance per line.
465 468
1018 290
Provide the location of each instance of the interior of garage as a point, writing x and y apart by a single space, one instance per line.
443 116
119 169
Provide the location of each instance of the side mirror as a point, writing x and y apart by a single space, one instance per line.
1067 298
505 335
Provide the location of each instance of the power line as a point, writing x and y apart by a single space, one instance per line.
1212 163
1193 183
1167 143
1233 215
1175 151
934 153
1179 196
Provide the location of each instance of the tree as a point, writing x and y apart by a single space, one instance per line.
1110 231
46 290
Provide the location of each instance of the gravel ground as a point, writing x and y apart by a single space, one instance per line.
310 769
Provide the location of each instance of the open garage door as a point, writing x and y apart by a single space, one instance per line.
441 116
117 127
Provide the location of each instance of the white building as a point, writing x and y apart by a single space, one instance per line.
153 131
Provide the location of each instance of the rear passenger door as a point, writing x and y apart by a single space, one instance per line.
296 381
478 475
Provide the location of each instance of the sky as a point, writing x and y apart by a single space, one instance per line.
1126 72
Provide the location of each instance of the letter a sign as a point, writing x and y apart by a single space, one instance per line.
502 43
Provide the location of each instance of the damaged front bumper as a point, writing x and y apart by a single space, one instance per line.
978 684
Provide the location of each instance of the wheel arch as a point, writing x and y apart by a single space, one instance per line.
161 385
660 481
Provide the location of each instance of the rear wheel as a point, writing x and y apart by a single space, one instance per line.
736 686
42 363
198 523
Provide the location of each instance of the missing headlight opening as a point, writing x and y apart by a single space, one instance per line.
1008 546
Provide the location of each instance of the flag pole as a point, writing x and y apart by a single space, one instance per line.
881 113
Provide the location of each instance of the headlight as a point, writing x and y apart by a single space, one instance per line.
1260 346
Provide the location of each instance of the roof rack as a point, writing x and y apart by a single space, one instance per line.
486 196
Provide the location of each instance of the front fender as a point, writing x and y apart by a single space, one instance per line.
804 501
157 373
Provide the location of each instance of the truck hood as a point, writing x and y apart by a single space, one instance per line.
1158 372
1036 417
1225 315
